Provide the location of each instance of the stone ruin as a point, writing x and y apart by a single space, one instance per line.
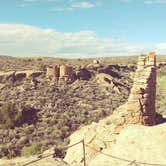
139 109
60 74
52 73
141 102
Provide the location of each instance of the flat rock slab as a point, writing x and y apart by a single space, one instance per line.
136 142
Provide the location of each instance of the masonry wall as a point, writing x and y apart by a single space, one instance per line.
60 75
66 71
141 102
52 72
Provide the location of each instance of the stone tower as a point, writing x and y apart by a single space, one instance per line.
66 72
141 102
52 72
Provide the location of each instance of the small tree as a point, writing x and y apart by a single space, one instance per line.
33 149
9 115
41 67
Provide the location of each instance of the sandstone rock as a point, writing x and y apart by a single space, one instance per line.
140 143
99 135
2 86
105 80
6 76
32 73
83 74
20 76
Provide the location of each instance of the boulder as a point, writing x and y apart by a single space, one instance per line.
107 80
20 76
83 74
6 76
32 73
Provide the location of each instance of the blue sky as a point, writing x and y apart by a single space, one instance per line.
82 27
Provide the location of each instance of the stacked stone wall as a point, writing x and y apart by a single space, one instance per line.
141 102
60 74
66 71
52 72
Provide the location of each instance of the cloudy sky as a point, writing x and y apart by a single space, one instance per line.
82 28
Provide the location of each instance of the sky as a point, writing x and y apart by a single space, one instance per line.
82 28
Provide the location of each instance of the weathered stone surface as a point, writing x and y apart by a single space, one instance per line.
144 85
83 74
32 73
5 76
100 135
105 80
137 110
140 143
18 75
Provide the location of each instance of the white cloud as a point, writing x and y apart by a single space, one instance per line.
150 2
70 4
73 6
83 5
25 40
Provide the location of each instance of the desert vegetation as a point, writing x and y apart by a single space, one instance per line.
34 119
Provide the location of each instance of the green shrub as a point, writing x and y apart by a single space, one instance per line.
161 72
9 115
33 149
39 59
41 67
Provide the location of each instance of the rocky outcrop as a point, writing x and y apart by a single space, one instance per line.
139 109
106 80
83 74
6 76
18 75
135 143
101 135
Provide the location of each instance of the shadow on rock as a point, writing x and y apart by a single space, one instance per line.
160 119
